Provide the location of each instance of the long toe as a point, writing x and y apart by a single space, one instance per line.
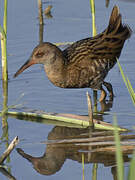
103 95
110 89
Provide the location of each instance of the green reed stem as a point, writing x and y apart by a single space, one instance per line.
4 74
94 32
94 171
119 158
4 44
92 4
5 17
131 173
127 83
83 177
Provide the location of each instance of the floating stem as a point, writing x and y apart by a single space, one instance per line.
61 118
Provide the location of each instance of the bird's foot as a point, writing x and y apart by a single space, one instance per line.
110 90
103 95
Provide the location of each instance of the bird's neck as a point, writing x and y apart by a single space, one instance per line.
55 72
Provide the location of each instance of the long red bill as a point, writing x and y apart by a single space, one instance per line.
25 66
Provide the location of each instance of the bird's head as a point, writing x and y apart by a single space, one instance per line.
44 53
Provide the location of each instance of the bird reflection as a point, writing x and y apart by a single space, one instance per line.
56 154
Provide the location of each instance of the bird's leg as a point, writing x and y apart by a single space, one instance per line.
103 94
109 88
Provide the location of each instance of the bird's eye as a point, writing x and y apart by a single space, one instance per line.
39 54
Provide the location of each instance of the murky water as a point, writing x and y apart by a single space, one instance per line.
71 21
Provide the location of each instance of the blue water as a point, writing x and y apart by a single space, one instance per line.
71 21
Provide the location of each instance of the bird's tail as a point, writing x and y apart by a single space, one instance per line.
111 41
115 28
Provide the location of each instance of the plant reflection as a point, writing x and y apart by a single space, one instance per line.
47 12
107 3
7 174
4 116
5 107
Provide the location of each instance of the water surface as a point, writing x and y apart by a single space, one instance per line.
71 21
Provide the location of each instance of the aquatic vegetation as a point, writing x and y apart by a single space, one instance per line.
74 122
131 172
127 83
119 157
120 167
92 4
4 44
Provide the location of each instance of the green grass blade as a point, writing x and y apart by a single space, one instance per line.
92 4
94 171
4 44
83 177
131 91
119 159
94 32
131 173
127 83
5 17
122 73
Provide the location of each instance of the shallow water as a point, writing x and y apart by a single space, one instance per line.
71 21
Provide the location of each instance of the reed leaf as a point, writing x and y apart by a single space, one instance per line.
4 44
94 171
83 177
132 93
131 173
92 4
127 83
119 158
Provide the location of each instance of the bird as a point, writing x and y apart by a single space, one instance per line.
85 63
